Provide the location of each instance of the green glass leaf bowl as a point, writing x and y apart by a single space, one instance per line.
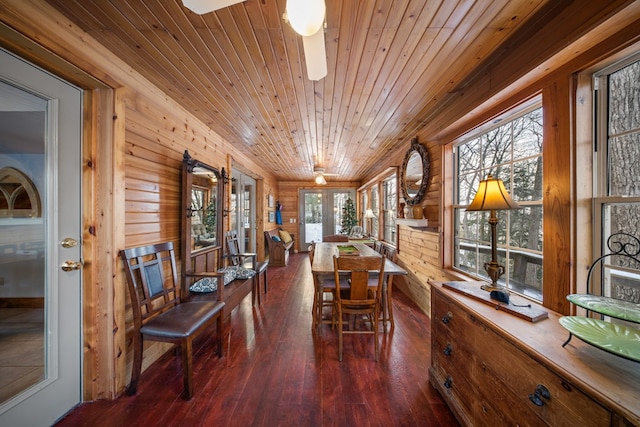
612 307
611 337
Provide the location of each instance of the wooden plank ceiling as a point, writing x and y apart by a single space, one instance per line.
241 70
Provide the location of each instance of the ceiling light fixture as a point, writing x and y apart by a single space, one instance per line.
306 17
320 180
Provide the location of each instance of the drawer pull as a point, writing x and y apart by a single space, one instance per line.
447 317
448 382
447 350
540 393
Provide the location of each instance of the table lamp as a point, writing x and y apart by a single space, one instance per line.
368 214
492 196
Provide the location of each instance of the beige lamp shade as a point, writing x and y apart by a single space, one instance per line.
492 195
369 213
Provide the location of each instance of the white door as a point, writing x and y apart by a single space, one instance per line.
321 213
40 171
243 207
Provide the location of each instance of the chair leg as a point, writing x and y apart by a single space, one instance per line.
265 281
376 319
255 289
220 332
137 364
314 308
390 305
187 368
340 338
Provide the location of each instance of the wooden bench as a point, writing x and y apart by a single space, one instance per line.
159 314
212 259
278 250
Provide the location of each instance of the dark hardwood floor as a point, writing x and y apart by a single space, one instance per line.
277 372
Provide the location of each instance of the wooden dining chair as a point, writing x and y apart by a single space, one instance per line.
247 260
158 312
335 238
361 299
324 285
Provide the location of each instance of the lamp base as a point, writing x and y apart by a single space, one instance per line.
490 287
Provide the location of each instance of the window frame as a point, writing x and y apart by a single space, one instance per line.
451 152
601 196
374 192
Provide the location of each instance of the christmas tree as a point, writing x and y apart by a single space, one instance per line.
349 219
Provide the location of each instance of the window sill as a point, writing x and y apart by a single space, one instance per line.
415 223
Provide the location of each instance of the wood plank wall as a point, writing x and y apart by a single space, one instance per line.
289 198
132 187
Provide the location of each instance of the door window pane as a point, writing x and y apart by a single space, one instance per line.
22 240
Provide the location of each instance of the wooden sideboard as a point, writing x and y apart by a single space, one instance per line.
495 369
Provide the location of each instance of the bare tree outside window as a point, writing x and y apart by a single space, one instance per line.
618 194
513 153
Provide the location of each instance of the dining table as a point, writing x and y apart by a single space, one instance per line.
323 265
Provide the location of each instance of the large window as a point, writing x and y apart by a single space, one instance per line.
511 151
390 210
376 211
617 171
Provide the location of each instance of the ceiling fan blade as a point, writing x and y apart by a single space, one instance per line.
315 55
205 6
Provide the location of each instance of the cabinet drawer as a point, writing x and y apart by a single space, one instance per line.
516 371
449 318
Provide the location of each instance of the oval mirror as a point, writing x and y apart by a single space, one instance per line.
415 173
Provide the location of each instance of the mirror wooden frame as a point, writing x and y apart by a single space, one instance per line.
208 254
421 150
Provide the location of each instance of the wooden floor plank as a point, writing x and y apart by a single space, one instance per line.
277 372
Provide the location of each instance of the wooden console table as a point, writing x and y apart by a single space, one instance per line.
494 368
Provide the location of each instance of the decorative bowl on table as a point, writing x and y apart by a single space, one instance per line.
348 250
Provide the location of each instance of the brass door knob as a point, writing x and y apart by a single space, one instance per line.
70 265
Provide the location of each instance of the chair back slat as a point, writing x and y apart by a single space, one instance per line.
359 268
233 247
152 279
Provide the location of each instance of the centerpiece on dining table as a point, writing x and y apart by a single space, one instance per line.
348 250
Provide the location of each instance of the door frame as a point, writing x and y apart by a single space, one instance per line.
328 219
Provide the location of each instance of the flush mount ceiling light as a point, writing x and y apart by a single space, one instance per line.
306 17
205 6
320 174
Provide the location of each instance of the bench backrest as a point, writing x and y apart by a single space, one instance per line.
152 278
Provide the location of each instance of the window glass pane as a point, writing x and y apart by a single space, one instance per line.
624 99
624 165
527 135
469 156
526 228
467 186
390 210
497 147
376 211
